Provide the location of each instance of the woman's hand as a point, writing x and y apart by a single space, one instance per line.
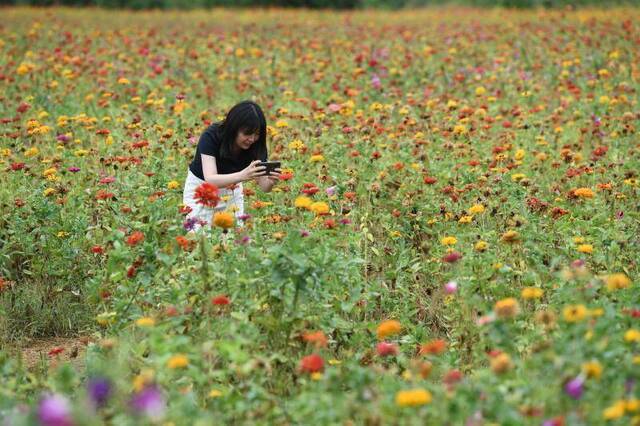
253 171
274 176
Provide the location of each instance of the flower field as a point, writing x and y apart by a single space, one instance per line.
454 240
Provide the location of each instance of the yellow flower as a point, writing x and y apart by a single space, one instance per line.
585 248
319 208
178 361
173 184
574 313
529 293
584 193
465 219
615 411
296 145
316 376
303 202
316 158
413 398
31 152
215 393
448 241
517 177
476 209
617 281
388 328
592 369
481 246
506 308
633 405
282 123
145 322
632 335
578 240
49 191
519 155
510 236
143 379
223 220
480 90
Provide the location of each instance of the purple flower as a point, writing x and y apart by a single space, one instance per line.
345 221
74 169
63 138
304 233
149 401
55 410
575 387
190 223
375 82
244 216
331 190
99 390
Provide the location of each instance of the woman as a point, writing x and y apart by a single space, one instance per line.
227 155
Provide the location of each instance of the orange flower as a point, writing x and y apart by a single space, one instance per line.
223 220
135 238
316 338
388 328
435 347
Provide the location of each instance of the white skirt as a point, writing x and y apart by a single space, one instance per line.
230 200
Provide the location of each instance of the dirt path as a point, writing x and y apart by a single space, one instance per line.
41 352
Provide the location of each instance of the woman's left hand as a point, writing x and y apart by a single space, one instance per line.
274 176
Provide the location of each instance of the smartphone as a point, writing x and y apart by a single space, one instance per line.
270 166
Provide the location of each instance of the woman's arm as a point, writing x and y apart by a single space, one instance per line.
210 172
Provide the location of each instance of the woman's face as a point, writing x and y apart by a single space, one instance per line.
244 141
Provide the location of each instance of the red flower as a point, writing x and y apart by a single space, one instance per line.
386 349
452 377
131 271
207 195
185 210
104 195
23 107
430 180
329 223
452 257
17 166
56 351
285 176
135 238
220 300
311 364
97 249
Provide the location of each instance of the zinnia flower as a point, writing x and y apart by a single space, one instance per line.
413 398
150 402
388 328
506 308
220 300
54 410
99 390
387 349
223 220
207 195
575 387
311 364
319 208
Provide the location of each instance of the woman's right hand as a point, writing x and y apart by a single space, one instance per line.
253 170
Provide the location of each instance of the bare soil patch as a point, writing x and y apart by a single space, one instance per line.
51 350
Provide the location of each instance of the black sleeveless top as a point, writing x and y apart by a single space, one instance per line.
209 144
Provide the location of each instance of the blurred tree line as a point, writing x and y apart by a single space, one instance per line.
335 4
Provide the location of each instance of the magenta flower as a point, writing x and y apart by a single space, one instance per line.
55 410
150 402
575 387
451 287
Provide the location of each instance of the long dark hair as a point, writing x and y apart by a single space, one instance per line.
248 117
